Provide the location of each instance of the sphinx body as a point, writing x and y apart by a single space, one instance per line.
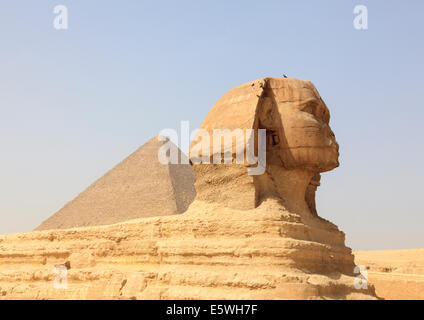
244 237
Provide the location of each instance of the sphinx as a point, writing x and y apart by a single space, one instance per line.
245 236
299 145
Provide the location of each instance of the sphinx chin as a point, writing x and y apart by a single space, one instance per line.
316 159
329 164
325 166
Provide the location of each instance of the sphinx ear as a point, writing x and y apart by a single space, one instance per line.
268 117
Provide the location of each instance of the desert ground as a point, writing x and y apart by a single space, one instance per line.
396 274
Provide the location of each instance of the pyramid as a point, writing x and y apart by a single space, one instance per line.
140 186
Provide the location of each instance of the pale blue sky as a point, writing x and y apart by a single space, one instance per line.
74 103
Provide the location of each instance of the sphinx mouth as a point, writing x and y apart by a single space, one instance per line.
334 145
337 156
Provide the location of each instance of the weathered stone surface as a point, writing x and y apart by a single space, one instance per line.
299 145
244 237
139 186
207 252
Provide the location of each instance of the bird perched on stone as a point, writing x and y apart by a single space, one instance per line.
284 76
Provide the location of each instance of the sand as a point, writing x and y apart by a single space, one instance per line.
396 274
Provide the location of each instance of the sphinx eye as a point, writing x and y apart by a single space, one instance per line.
321 113
326 116
309 107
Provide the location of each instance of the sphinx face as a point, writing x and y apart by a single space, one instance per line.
299 145
308 140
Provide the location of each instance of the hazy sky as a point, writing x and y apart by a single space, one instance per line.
75 102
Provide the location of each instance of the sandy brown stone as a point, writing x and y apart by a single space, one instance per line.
208 252
244 236
139 186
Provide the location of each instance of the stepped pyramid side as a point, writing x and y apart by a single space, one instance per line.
139 186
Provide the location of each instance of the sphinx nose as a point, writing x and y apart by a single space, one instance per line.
330 132
332 136
336 145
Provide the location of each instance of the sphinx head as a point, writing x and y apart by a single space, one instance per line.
299 143
297 123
